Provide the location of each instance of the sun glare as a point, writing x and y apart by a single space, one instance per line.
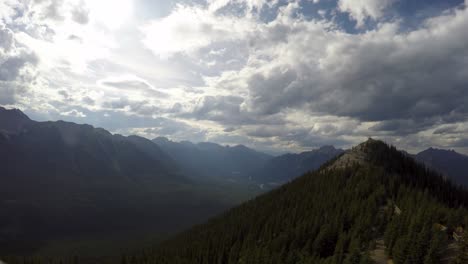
111 13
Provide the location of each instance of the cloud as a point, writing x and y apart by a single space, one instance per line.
51 9
225 109
258 72
10 67
16 67
390 80
403 127
188 29
74 113
374 76
133 83
80 14
8 9
363 9
447 129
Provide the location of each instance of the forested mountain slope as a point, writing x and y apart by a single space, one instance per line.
335 215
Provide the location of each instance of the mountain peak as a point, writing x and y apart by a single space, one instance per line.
448 162
437 150
359 154
327 149
12 120
13 112
370 145
161 139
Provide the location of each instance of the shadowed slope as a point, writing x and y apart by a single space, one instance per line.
334 215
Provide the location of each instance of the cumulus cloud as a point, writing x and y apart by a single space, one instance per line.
16 62
256 72
8 9
188 28
384 76
361 10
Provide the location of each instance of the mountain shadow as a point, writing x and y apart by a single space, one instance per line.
61 180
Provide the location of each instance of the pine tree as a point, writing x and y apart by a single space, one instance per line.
433 253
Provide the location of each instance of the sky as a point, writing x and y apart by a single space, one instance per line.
278 76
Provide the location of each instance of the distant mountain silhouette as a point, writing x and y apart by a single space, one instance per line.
286 167
60 179
240 163
450 163
211 160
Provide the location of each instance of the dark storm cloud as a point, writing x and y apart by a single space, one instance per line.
403 126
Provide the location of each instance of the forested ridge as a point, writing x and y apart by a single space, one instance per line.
333 215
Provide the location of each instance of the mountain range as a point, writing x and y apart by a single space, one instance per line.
214 161
61 180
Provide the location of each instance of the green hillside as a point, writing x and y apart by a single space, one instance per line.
335 215
372 195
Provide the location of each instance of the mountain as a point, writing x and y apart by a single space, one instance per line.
60 180
242 164
206 159
368 205
286 167
12 120
450 163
